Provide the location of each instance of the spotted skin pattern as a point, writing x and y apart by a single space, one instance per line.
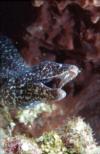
22 85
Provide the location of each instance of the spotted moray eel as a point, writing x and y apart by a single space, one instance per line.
24 86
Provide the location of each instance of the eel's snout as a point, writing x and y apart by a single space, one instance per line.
69 75
74 71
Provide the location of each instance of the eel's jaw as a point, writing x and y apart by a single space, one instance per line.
61 94
69 75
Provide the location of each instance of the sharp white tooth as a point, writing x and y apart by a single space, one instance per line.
61 94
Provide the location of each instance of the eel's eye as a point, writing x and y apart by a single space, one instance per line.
56 68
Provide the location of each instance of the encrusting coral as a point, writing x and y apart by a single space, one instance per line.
78 137
29 115
51 143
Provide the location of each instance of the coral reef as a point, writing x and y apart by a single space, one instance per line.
75 137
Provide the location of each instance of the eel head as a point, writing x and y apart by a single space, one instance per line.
54 76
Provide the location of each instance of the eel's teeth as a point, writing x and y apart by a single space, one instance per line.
61 94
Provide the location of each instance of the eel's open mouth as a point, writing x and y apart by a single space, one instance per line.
63 78
58 82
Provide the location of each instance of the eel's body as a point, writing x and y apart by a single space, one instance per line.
23 85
